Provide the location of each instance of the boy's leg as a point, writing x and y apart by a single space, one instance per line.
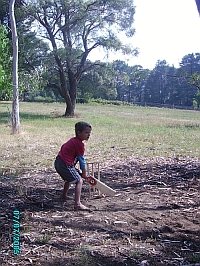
70 175
65 190
78 205
63 171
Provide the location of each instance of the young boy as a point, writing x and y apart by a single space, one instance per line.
70 153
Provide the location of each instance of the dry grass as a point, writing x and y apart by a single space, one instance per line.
152 220
118 132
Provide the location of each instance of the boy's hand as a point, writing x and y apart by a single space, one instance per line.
91 180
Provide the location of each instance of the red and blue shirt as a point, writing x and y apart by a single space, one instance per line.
73 151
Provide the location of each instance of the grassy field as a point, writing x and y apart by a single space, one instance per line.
118 132
150 156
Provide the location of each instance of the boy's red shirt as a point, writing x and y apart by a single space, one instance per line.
70 150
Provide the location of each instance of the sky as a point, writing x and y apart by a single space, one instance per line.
165 30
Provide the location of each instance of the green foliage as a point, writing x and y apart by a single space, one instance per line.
80 27
33 52
190 72
130 81
98 83
43 99
4 13
194 79
82 100
5 86
5 66
109 102
31 84
196 102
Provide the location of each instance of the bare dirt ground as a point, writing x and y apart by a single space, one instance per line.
153 220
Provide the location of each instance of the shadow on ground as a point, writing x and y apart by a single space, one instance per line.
152 220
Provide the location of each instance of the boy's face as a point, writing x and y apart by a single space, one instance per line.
85 134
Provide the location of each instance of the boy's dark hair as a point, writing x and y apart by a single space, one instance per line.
80 126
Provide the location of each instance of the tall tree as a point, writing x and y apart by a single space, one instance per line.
98 83
15 104
79 27
121 71
155 91
189 71
138 77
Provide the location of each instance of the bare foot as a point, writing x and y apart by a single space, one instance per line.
81 207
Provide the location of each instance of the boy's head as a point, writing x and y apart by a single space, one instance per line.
82 126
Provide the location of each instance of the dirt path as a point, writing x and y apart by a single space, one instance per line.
153 220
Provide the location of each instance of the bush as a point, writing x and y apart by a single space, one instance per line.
43 99
102 101
82 100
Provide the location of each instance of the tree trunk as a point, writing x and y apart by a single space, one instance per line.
15 103
69 108
68 95
72 92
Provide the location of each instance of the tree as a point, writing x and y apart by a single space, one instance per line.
98 83
197 100
15 104
121 71
189 71
138 77
79 27
156 86
5 64
31 51
173 87
33 55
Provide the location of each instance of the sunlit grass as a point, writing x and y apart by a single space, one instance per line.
118 132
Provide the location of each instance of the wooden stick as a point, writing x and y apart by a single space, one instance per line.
99 176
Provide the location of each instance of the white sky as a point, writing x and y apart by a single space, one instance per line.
165 30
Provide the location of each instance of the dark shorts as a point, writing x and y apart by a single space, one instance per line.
68 173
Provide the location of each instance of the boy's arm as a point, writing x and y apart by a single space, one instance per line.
84 174
82 163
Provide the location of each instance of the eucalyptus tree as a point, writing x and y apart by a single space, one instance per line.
98 83
156 86
173 86
190 75
15 101
130 81
81 25
169 85
190 63
137 82
121 72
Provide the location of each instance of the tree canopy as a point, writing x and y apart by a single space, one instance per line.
78 27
